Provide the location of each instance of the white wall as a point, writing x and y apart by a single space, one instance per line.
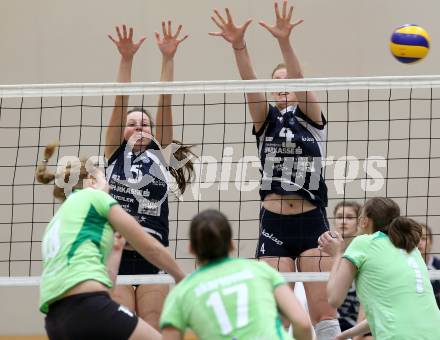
54 41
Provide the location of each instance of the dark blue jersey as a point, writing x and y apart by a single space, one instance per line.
291 148
349 310
138 181
434 264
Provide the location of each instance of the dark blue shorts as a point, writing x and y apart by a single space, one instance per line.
290 235
132 263
89 316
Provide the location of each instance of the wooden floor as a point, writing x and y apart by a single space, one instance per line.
23 337
188 336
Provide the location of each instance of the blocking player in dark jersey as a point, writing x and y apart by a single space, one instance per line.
291 144
138 173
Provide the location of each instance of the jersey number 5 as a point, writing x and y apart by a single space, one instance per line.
136 174
215 301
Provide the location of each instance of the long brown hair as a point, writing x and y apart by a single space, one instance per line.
182 175
43 175
403 232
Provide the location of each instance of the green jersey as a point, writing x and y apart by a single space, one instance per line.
76 244
394 288
227 299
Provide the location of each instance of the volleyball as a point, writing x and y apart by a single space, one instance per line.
410 43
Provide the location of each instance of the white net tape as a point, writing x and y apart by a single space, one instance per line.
226 86
26 281
211 87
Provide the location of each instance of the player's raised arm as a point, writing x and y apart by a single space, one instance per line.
127 49
168 44
234 34
281 30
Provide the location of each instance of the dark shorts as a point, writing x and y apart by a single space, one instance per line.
89 316
290 235
344 324
132 263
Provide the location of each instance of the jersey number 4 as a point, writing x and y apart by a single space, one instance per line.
287 133
215 301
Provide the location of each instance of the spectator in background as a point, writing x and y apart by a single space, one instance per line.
432 262
346 215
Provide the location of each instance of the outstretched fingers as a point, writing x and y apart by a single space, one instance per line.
284 8
178 31
229 16
246 24
289 16
219 17
265 25
299 22
180 40
216 22
164 30
118 32
169 28
216 34
277 10
141 41
112 39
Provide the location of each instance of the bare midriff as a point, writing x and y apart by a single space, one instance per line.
88 286
287 204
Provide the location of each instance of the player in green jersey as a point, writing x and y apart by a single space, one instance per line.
391 278
76 246
229 298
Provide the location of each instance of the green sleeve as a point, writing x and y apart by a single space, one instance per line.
357 250
172 315
275 278
102 202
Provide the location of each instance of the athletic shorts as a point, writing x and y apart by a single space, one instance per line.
89 316
132 263
290 235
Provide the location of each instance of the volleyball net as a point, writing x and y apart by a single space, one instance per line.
383 139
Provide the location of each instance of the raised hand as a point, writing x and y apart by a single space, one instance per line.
282 28
229 31
331 242
169 42
124 43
